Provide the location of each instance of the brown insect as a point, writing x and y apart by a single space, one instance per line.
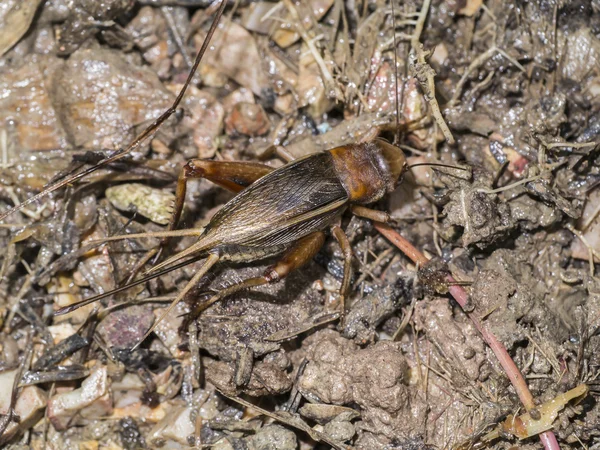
276 211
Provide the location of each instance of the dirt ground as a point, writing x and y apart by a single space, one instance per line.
508 89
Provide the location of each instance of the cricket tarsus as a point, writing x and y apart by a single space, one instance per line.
139 139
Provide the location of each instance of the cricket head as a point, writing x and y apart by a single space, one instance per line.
391 162
369 170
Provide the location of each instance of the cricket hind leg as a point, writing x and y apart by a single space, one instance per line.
295 257
231 175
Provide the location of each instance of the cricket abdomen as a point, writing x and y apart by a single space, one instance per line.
240 253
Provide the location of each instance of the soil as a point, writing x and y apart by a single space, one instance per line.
518 89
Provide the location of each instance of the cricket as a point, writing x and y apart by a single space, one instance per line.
451 212
260 221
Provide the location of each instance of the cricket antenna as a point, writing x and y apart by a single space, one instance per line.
140 138
449 166
397 134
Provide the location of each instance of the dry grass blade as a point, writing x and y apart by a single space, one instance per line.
16 23
292 421
425 74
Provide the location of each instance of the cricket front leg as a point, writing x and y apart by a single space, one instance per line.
371 214
344 244
295 257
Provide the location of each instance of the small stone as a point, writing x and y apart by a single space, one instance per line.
468 353
28 407
273 437
341 431
323 413
124 328
176 426
247 118
535 414
152 203
93 396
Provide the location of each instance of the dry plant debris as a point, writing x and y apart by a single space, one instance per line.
510 90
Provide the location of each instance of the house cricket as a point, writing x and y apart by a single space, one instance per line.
285 211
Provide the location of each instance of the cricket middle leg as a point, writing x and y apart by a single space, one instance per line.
344 244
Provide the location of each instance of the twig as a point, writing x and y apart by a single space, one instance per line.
591 251
570 144
416 36
310 42
509 186
424 73
511 59
11 413
461 297
167 14
476 64
405 320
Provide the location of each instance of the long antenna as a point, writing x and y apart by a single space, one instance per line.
140 138
397 134
439 165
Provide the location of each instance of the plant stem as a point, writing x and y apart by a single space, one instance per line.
460 295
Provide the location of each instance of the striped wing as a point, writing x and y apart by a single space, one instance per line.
281 207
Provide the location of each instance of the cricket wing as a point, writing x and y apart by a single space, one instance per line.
290 202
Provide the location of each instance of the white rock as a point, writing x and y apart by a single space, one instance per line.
152 203
92 399
175 428
28 407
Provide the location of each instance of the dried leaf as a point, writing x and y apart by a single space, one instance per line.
16 23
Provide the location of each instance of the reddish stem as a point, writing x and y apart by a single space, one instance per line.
460 295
